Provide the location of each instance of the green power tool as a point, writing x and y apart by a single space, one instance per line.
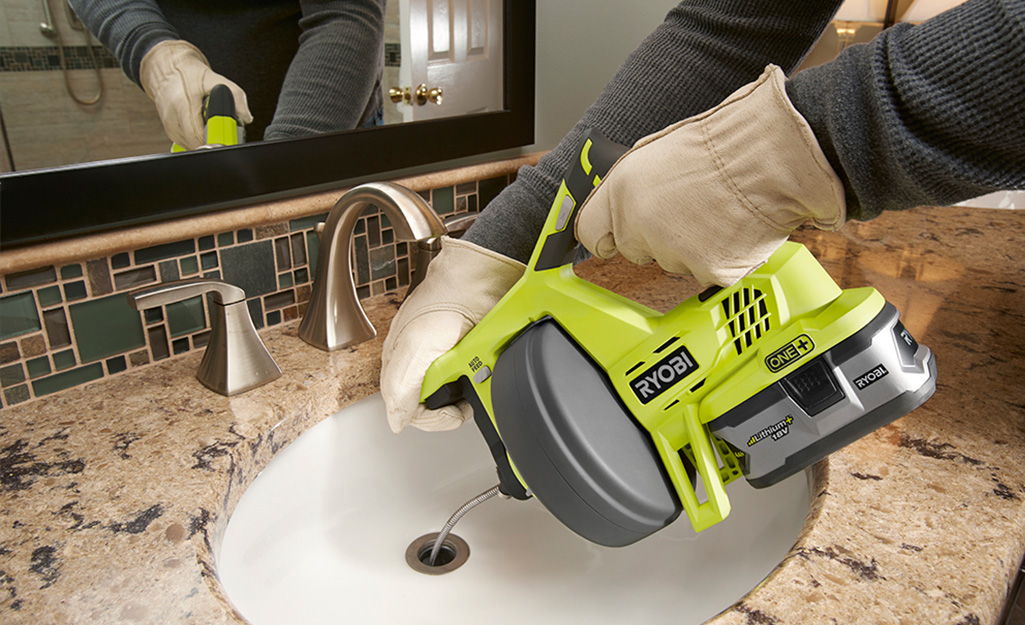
615 416
220 125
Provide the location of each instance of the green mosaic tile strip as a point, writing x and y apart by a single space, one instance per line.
189 266
38 367
163 252
64 360
30 278
50 296
443 200
18 315
70 272
67 379
186 317
106 327
74 324
306 223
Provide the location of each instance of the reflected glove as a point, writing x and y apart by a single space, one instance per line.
176 76
462 284
716 194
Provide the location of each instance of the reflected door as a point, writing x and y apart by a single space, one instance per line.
452 53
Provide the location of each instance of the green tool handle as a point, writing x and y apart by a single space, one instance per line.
597 156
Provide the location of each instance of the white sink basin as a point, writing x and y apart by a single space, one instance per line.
321 536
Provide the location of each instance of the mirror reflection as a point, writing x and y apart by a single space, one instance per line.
88 80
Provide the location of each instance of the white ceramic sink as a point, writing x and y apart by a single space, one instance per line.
321 536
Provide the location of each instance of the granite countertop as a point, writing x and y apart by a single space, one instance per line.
113 497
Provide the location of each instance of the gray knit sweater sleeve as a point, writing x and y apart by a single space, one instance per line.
930 114
334 80
702 52
128 28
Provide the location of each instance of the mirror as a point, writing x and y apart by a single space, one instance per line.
93 197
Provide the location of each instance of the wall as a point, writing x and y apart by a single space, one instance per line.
580 45
68 323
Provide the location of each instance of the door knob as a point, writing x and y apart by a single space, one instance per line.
425 95
421 96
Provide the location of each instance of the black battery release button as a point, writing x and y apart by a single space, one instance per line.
813 387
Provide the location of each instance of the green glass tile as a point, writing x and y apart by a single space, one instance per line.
50 296
153 315
64 360
306 222
245 235
105 327
206 243
313 247
38 367
209 260
180 346
165 251
120 261
443 200
70 272
285 281
18 315
75 291
117 365
255 307
186 317
225 238
189 265
302 276
31 278
61 381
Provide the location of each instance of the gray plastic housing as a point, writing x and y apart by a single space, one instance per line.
578 449
873 377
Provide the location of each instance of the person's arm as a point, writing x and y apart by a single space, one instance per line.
333 82
923 115
702 52
929 114
128 28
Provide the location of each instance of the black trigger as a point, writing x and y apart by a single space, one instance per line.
447 395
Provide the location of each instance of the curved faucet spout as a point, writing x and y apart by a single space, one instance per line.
335 318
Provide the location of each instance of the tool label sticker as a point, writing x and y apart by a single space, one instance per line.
775 431
667 372
869 378
789 353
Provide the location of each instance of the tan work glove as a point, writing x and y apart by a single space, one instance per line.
176 76
462 284
716 194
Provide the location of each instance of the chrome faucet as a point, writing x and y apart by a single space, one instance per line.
335 318
235 359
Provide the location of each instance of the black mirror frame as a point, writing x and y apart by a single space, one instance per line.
52 204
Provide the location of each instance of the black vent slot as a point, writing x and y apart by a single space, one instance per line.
747 317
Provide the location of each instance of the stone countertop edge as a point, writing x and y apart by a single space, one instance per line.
114 496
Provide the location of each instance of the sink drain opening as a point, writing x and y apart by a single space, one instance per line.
453 554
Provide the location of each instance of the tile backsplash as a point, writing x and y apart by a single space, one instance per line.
69 324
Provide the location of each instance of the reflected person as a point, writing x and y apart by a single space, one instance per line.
296 67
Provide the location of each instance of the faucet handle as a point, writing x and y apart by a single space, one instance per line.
236 360
170 292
